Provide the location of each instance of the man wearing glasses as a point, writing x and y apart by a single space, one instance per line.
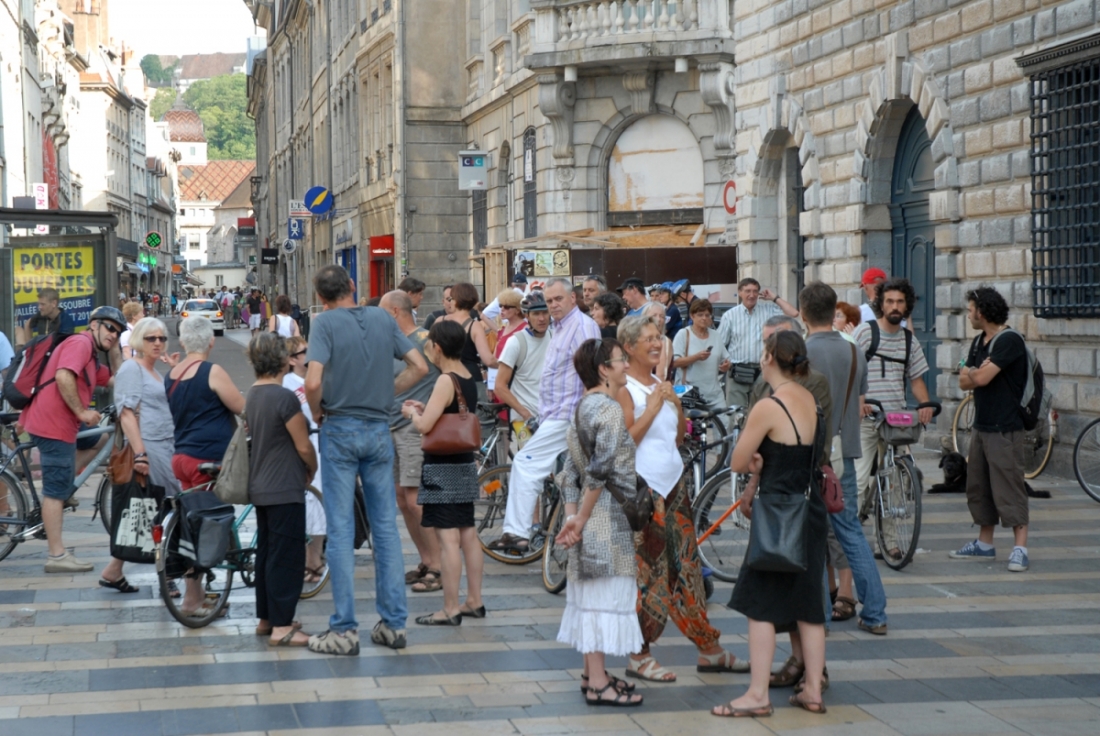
56 414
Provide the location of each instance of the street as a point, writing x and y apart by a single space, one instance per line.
971 649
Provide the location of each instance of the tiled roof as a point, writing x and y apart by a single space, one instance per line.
213 182
184 126
208 66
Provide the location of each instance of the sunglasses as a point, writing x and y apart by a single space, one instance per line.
300 352
155 338
110 328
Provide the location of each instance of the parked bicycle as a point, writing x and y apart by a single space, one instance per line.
20 507
496 436
708 444
1038 443
1086 459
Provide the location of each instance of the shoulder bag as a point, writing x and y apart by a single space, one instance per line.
639 508
232 483
453 433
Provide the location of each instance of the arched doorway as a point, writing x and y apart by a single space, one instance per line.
914 252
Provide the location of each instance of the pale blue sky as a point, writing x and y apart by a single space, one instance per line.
181 26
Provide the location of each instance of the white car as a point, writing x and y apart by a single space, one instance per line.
203 308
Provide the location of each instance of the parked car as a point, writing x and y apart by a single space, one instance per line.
203 308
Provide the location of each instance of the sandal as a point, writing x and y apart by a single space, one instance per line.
789 674
431 582
289 640
413 575
266 630
815 708
648 669
824 681
621 685
621 699
728 711
509 543
843 608
121 585
314 576
173 589
722 662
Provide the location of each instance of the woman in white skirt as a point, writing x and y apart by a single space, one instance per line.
600 615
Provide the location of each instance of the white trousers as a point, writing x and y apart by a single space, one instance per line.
530 468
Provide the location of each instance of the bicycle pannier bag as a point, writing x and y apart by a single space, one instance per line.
901 428
232 483
134 508
206 525
453 433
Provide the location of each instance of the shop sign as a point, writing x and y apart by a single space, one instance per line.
381 246
473 167
69 269
269 256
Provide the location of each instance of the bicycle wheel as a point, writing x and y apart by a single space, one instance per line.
962 425
310 589
103 501
489 509
217 583
555 559
897 513
1037 445
724 550
14 505
1086 460
716 438
248 569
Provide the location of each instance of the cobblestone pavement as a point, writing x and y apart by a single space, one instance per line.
972 649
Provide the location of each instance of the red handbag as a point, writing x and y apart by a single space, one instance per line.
453 433
831 491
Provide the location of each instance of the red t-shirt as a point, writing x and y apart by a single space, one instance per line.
48 415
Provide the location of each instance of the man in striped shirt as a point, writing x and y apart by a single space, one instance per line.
560 389
741 330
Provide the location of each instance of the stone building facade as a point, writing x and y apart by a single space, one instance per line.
899 135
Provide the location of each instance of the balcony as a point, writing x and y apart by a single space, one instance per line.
596 32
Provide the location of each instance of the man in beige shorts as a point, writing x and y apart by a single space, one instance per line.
407 455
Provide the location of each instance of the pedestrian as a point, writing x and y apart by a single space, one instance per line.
846 319
427 576
633 293
255 311
49 318
281 322
448 483
778 446
132 313
522 362
414 287
476 347
295 380
146 421
601 597
670 573
175 302
674 322
608 308
682 297
872 277
559 391
741 331
68 380
698 352
996 371
448 307
518 288
281 464
514 323
656 314
350 387
592 287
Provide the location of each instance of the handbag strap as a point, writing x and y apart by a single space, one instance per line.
463 410
851 380
179 378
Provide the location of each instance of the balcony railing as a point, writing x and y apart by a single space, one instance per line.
563 23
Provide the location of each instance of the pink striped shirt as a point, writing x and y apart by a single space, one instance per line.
560 388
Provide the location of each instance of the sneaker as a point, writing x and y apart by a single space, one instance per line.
971 551
387 637
1017 561
67 563
331 642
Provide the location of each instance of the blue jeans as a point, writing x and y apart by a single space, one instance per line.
849 533
353 447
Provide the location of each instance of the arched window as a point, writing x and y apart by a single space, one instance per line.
530 186
655 175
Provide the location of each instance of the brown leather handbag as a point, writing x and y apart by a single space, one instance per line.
453 433
120 466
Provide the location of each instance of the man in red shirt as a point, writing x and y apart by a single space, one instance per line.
55 415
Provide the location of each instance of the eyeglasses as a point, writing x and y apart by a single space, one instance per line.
110 328
300 352
156 338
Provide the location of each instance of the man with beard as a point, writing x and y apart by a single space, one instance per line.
894 356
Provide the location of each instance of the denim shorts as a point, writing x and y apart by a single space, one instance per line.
58 467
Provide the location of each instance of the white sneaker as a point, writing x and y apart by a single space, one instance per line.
67 563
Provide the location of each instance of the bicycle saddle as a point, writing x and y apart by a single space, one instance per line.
696 413
11 418
211 469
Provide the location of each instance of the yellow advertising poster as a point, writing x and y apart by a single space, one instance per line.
69 268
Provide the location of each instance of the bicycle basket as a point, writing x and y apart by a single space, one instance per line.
900 428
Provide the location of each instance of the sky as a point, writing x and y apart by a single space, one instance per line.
180 27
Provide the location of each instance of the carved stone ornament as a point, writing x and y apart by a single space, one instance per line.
727 166
566 176
556 101
716 83
640 87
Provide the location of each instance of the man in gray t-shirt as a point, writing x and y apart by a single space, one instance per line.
350 388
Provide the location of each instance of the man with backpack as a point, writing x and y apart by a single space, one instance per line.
57 408
999 370
50 318
521 362
894 358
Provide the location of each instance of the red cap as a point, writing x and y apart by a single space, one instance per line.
873 276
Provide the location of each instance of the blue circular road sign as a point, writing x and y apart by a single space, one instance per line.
319 200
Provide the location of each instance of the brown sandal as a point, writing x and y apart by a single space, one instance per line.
801 684
431 582
818 709
413 576
843 608
789 674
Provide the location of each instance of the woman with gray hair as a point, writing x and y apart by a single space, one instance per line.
145 420
281 463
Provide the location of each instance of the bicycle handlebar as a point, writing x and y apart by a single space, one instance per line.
934 405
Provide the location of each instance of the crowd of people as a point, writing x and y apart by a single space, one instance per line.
584 373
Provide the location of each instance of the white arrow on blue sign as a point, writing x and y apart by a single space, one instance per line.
295 229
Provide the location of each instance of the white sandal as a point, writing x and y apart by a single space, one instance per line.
648 669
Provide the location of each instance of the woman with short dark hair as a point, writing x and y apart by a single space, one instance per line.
476 346
281 463
281 322
607 309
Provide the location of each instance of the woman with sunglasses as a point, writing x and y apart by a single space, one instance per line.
145 420
295 380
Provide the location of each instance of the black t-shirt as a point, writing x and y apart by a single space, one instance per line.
997 405
254 305
277 473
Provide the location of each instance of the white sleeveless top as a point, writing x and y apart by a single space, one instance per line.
657 459
284 325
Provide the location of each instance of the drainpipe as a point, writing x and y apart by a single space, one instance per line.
401 229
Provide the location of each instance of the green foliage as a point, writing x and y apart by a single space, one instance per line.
155 73
222 104
161 102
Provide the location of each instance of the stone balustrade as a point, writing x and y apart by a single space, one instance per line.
561 24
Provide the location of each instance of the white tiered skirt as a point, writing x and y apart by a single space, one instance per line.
601 615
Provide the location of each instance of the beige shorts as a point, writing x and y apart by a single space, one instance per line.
408 458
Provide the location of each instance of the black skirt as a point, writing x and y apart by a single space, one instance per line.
448 515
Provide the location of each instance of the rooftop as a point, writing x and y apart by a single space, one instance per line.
213 182
184 124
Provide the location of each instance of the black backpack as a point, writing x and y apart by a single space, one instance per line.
1035 394
872 351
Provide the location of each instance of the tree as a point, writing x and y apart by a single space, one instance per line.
161 102
155 72
222 104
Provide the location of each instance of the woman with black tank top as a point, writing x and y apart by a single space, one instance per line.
475 344
778 447
448 483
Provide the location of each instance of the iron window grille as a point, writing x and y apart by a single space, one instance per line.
480 212
1065 189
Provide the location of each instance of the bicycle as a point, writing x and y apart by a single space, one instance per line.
23 519
496 434
897 493
1086 459
708 446
722 535
490 506
1038 444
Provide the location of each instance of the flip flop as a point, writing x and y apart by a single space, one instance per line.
121 585
728 711
818 709
288 641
